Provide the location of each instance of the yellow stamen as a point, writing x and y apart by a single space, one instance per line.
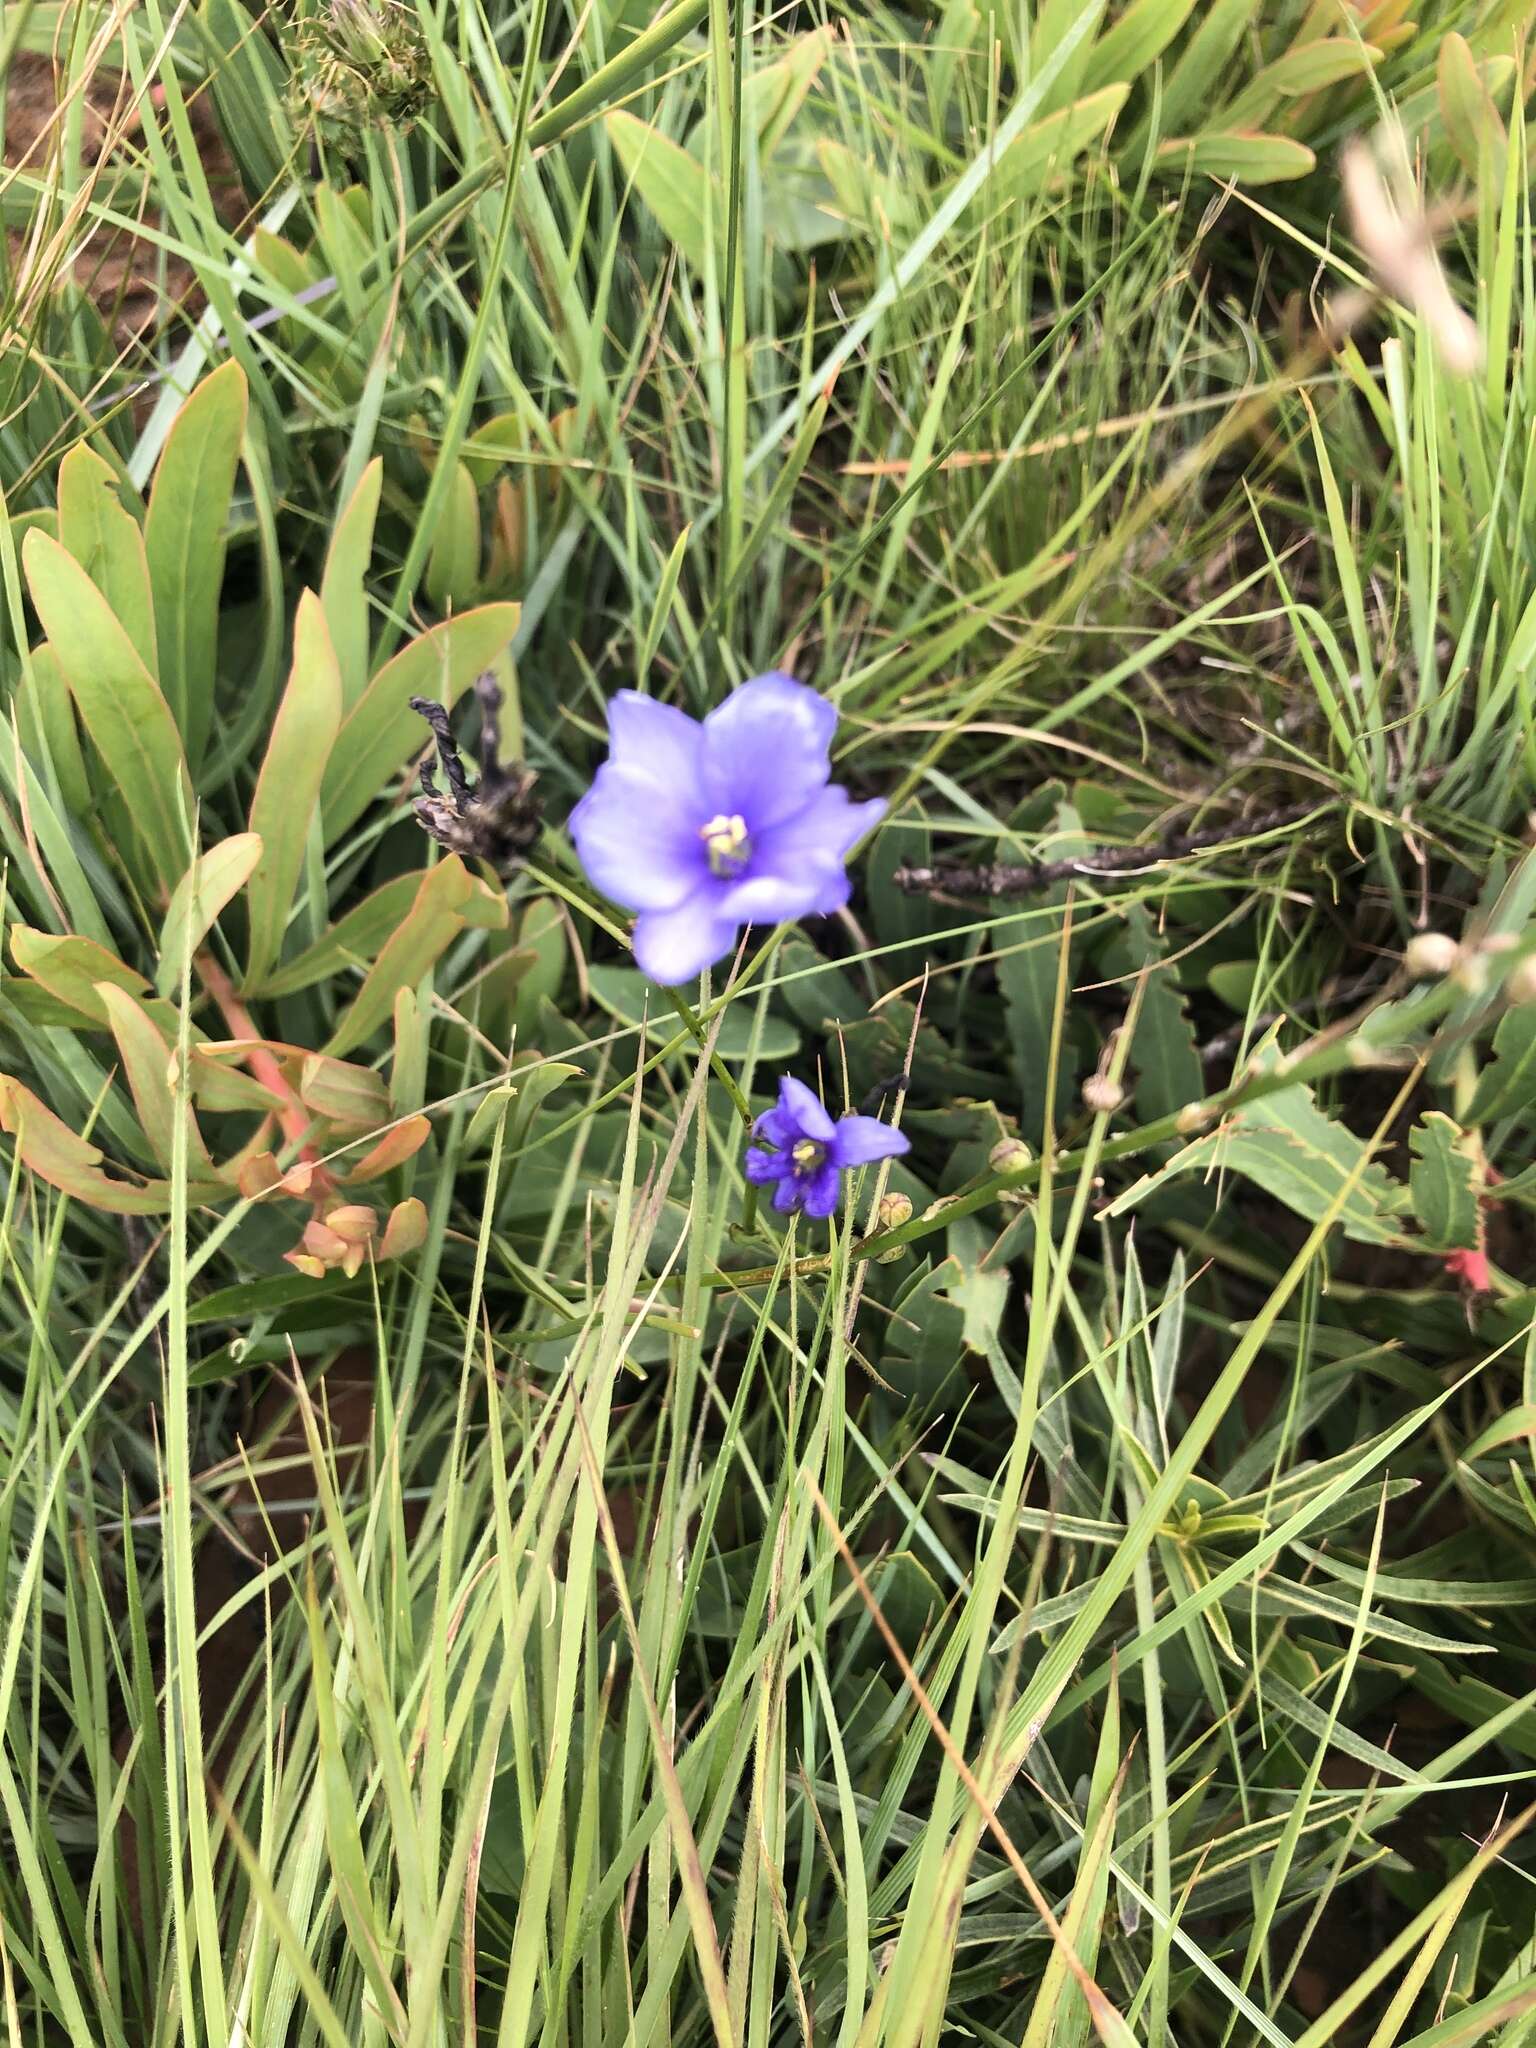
725 840
807 1153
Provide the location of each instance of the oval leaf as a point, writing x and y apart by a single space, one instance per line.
184 538
129 721
211 881
288 788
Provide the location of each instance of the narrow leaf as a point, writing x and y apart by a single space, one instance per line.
432 923
211 881
343 588
106 540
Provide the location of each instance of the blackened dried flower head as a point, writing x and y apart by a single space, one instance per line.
496 819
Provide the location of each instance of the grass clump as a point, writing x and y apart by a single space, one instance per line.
473 1575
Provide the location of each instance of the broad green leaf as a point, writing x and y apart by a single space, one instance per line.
355 940
288 788
1307 67
673 183
343 583
453 570
72 969
381 732
1445 1181
1050 145
212 881
1294 1152
432 923
106 540
526 1088
45 700
68 1162
352 1096
184 537
120 704
1507 1085
1471 119
1250 159
774 93
1140 35
146 1066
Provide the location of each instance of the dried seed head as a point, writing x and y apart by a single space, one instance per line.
894 1210
1521 985
1102 1095
1431 954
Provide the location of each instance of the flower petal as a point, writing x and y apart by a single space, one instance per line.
778 1127
823 829
633 845
788 1194
858 1140
658 742
674 945
775 899
763 1167
804 1106
765 752
822 1191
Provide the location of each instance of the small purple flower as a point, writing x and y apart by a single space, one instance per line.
703 828
811 1153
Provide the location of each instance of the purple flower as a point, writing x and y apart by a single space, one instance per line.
811 1153
703 828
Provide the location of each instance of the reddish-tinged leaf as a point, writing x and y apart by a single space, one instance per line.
341 1093
146 1061
68 1162
393 1149
406 1230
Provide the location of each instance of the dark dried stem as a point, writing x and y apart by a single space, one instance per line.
1010 878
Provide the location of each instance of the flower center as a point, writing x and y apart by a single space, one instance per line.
726 844
807 1155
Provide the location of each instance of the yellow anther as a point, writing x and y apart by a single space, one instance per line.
808 1153
725 840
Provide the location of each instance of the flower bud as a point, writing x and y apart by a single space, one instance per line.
1193 1118
1009 1155
1431 954
894 1210
354 1222
1102 1095
1521 985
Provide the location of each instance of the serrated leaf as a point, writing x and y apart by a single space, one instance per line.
288 788
1507 1086
429 927
212 881
343 582
1286 1144
129 721
381 732
185 539
1445 1181
105 539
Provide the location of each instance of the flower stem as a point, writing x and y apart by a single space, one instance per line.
293 1117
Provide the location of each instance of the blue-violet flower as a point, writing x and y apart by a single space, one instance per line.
811 1153
705 827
